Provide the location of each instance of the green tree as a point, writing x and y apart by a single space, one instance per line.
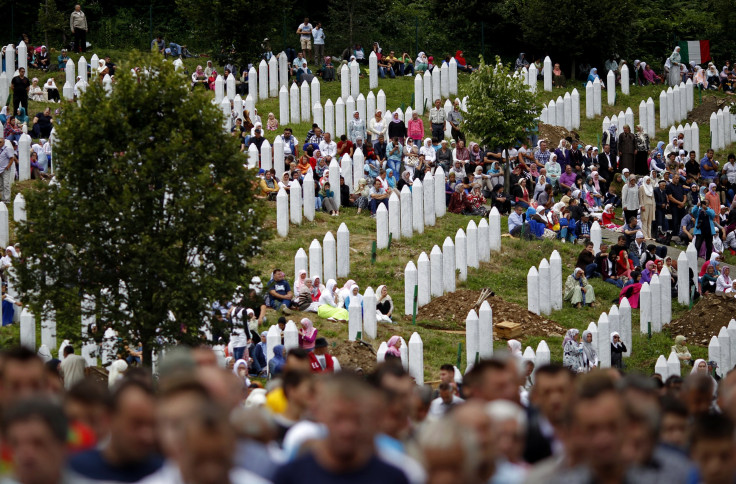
574 29
501 110
52 21
153 212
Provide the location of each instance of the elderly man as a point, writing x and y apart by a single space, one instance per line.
437 118
78 25
455 118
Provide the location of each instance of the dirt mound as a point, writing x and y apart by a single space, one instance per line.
711 104
453 308
553 135
353 355
705 319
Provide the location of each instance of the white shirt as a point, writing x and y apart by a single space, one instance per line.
284 185
287 146
306 30
319 36
438 408
170 474
328 149
429 153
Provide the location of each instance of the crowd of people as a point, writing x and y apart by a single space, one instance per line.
503 421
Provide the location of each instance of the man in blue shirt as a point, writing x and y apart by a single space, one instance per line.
708 167
279 292
130 453
516 222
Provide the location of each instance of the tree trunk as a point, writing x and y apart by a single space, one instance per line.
572 69
507 174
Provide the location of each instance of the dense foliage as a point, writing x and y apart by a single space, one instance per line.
567 30
153 212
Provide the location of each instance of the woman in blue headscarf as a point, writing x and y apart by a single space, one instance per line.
390 179
593 75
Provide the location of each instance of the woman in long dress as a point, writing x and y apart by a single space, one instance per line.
674 78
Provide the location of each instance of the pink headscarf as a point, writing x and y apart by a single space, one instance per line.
309 328
392 348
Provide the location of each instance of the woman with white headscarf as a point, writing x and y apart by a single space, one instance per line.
514 348
354 296
52 92
430 154
618 348
328 306
674 77
590 355
384 304
648 207
713 78
572 351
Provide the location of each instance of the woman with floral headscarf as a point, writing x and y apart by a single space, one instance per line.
572 351
609 138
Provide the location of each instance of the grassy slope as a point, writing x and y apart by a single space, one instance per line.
506 274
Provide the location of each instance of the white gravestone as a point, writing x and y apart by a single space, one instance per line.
436 272
424 282
461 254
410 282
448 263
343 251
329 257
315 260
472 245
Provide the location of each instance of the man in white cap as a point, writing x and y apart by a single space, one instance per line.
637 248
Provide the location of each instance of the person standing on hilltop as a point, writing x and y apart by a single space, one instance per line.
78 24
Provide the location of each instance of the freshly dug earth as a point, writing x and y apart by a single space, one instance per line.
454 308
704 320
553 135
711 104
353 355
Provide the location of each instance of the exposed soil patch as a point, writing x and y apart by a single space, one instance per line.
553 135
705 319
353 355
452 309
711 104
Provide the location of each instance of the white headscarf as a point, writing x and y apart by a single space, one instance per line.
617 345
648 187
695 366
515 347
327 296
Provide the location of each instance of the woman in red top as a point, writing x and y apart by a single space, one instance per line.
462 64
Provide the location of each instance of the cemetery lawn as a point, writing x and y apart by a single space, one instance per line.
505 274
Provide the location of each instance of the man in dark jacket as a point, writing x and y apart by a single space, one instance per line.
662 204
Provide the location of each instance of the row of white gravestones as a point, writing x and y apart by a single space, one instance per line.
722 348
544 286
593 99
618 320
655 302
270 77
332 257
667 367
479 334
675 103
564 112
435 274
691 136
722 131
433 85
